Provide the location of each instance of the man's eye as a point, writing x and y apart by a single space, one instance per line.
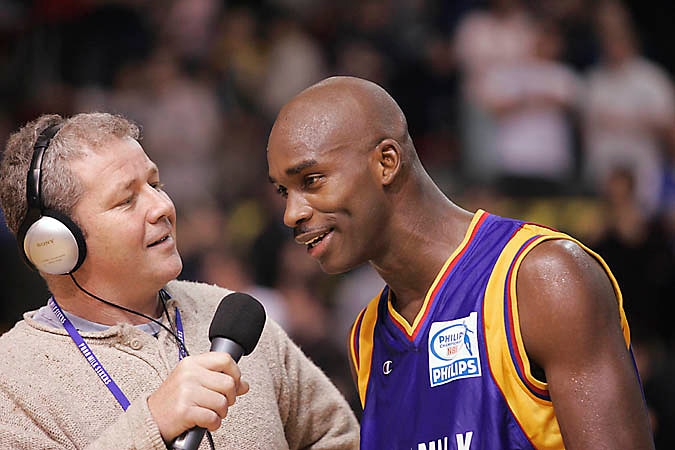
127 201
282 191
158 186
309 181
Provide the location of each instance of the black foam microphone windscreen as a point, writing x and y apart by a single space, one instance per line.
239 318
235 329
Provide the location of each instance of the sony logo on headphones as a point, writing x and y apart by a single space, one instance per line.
44 243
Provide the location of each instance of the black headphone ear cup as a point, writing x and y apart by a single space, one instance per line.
54 244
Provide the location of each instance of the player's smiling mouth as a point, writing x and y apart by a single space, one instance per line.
312 240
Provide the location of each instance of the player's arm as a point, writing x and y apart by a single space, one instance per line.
571 329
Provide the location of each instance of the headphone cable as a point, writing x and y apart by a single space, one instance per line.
129 310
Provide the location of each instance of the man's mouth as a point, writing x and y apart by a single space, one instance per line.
312 241
159 241
316 240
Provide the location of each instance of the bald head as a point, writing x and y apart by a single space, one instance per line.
341 110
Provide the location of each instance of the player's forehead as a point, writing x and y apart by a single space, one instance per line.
309 130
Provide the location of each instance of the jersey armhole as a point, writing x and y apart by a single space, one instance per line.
361 346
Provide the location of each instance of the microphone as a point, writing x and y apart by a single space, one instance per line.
235 329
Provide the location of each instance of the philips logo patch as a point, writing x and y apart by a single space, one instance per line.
453 350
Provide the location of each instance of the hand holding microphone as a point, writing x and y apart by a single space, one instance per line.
195 389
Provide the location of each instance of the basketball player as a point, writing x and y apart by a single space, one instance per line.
105 363
490 333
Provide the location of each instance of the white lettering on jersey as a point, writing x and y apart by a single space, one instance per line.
439 444
464 441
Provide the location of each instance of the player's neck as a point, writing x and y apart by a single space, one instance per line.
418 251
408 308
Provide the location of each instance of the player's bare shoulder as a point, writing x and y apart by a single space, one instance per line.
564 293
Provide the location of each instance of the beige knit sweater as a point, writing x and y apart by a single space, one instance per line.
50 398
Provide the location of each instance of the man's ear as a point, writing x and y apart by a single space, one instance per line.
388 153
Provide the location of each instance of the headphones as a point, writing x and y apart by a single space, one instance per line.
50 241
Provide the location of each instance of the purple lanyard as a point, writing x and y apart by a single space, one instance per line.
93 360
182 353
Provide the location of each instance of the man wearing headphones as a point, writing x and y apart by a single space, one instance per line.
119 356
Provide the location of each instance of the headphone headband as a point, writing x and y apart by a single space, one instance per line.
34 177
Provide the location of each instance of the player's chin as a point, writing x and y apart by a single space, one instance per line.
334 267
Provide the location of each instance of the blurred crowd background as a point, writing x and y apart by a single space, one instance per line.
555 111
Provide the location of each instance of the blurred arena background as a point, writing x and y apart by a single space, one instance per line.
556 111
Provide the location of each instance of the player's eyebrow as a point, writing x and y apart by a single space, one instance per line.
301 166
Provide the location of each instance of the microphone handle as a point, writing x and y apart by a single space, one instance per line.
225 345
191 439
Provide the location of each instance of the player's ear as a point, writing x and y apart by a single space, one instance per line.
388 153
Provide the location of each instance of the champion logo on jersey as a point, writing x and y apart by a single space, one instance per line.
386 367
453 350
